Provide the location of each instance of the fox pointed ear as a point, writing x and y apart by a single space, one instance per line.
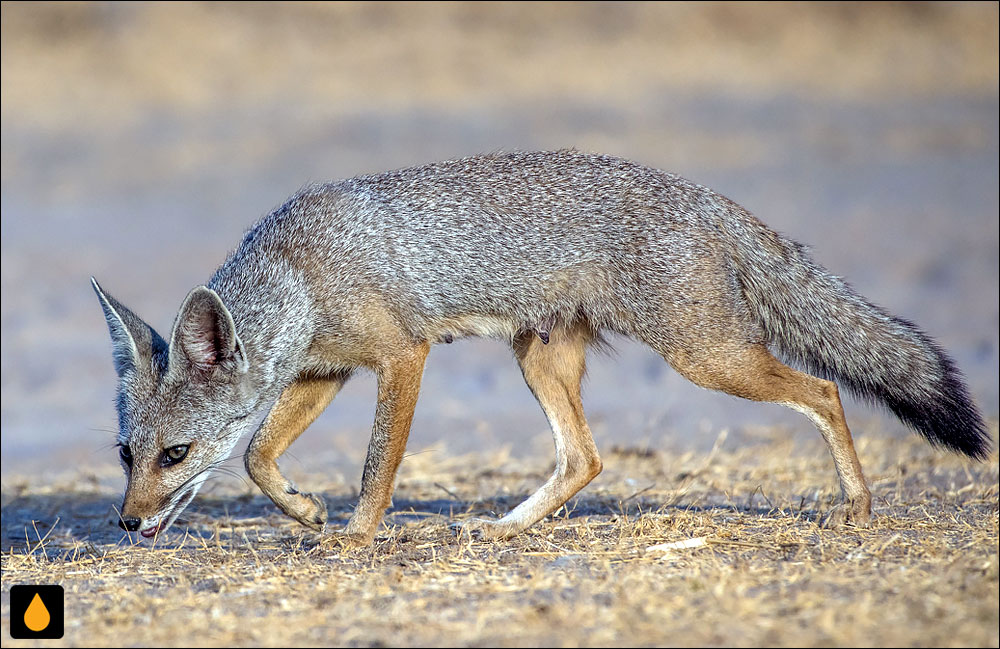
204 341
134 343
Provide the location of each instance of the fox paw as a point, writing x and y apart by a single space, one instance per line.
345 541
855 515
308 509
483 528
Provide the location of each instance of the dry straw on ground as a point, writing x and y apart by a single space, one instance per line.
748 563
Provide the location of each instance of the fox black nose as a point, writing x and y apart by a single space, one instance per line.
129 524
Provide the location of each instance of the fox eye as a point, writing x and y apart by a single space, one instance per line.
173 455
125 453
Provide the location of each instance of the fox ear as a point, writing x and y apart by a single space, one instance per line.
204 341
134 343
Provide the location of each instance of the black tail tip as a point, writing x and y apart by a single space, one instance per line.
975 443
950 421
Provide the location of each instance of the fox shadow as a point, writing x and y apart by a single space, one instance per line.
62 521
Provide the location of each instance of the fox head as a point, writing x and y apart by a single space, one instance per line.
182 405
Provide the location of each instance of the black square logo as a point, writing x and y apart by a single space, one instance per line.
36 612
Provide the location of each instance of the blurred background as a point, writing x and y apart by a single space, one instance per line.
139 141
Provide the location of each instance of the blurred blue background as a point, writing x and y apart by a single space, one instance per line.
139 141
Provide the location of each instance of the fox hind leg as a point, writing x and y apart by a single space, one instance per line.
750 371
553 372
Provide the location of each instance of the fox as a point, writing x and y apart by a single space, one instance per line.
548 251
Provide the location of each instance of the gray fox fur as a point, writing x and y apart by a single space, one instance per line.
544 250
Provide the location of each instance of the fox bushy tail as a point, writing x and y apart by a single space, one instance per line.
816 320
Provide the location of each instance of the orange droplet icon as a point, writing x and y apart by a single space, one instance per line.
37 616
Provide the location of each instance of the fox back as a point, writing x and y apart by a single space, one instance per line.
507 240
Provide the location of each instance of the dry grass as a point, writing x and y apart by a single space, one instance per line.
758 570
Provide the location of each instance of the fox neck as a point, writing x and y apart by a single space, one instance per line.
273 320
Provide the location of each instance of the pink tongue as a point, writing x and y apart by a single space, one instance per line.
150 531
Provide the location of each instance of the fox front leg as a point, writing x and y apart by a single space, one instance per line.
399 378
296 408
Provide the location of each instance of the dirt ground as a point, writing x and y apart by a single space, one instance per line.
749 566
140 140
